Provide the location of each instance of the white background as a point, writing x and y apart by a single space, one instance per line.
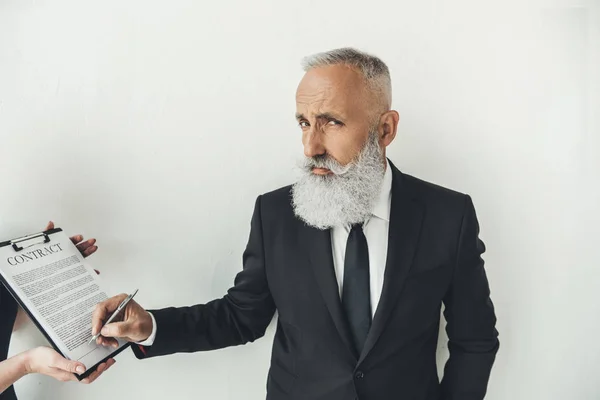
154 125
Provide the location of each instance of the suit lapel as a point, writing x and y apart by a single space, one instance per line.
406 216
318 245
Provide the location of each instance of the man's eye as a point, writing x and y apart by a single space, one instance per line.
335 122
303 124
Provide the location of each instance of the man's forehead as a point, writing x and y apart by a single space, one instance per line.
320 99
332 87
335 107
330 78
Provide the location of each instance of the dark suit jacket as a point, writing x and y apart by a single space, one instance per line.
433 258
8 314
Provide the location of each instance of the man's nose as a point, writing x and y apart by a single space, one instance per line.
313 144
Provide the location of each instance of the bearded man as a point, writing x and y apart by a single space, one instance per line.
356 257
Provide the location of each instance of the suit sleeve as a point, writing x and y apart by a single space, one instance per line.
471 320
241 316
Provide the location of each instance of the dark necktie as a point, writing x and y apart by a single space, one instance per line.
356 294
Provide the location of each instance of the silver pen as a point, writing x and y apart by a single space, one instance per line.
114 314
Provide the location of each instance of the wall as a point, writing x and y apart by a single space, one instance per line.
154 125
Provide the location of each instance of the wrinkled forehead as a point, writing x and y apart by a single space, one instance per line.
338 89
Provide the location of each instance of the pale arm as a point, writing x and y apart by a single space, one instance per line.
12 370
46 361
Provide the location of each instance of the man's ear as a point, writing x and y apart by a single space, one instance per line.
388 126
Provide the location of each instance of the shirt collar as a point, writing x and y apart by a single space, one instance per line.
382 206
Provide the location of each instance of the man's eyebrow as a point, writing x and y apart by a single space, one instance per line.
326 115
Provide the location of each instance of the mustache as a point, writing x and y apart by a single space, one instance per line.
324 161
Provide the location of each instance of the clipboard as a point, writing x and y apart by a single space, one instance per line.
18 246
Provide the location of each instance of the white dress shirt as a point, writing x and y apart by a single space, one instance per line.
376 231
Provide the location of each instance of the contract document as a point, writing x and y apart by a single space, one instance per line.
49 278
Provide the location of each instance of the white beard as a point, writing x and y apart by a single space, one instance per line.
345 197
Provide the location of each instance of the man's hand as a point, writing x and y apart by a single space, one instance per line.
86 248
44 360
134 324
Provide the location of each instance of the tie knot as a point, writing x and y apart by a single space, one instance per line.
356 227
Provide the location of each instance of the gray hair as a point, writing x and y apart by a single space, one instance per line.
373 69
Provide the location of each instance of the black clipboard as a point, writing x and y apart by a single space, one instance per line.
15 243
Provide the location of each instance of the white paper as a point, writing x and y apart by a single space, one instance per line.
58 287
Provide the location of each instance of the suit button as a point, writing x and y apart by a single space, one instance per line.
359 375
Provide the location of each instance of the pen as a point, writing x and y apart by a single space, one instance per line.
114 314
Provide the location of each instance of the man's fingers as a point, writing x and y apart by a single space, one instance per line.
116 329
87 248
49 226
84 245
103 310
89 251
98 316
107 342
76 239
